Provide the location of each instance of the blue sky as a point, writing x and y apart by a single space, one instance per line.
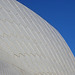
59 13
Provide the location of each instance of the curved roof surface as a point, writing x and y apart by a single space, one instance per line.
29 45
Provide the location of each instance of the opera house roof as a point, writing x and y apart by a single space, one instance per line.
29 45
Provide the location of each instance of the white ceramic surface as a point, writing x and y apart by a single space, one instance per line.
29 45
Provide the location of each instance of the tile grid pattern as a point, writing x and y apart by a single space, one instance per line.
32 43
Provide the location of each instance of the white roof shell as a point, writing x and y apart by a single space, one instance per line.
29 45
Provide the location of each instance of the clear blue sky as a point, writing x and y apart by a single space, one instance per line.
59 13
